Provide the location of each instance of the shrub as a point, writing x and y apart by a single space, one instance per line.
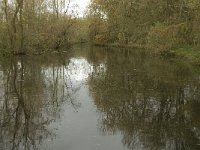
163 38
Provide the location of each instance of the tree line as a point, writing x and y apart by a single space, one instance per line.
158 24
41 25
35 25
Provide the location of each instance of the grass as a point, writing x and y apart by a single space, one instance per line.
189 54
117 45
3 52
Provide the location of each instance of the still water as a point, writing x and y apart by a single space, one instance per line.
99 99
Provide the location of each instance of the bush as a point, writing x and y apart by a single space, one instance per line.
163 38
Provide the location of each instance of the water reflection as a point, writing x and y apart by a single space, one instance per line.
153 104
136 100
32 95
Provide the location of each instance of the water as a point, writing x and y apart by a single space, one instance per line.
99 99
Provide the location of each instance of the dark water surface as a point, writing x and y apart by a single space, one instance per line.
99 99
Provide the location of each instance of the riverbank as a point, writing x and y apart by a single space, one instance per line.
33 51
190 54
117 45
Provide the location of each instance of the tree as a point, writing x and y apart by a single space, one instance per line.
36 24
135 21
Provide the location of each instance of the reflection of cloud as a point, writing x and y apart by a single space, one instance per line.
77 70
80 69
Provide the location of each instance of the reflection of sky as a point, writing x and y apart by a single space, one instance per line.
78 69
82 5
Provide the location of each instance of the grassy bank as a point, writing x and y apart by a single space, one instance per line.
117 45
190 54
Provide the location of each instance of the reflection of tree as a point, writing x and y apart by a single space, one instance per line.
33 95
153 103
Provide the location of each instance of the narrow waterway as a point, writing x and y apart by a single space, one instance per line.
99 99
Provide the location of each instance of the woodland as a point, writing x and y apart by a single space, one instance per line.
161 26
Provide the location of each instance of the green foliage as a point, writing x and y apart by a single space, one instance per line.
163 38
35 25
161 25
137 22
81 30
191 54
